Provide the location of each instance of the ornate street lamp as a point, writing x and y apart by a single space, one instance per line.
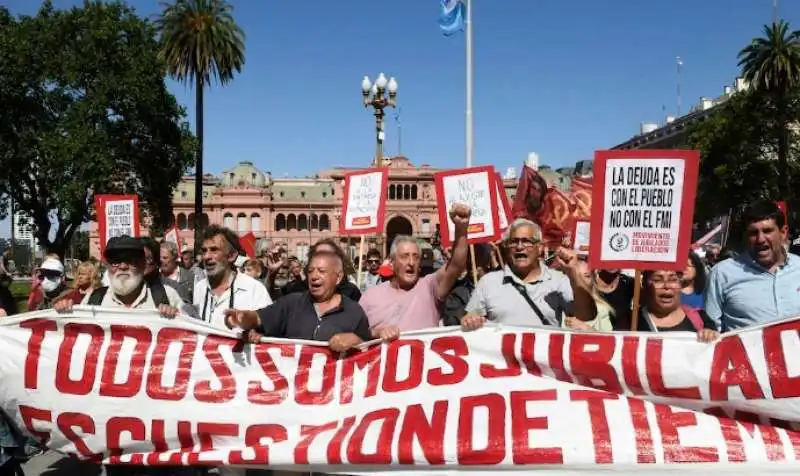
379 96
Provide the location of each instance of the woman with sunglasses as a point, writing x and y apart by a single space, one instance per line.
52 284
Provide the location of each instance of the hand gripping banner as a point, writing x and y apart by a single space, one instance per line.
131 387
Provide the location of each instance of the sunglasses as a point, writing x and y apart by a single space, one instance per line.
127 258
49 274
373 261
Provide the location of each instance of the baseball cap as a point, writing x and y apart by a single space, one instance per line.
51 264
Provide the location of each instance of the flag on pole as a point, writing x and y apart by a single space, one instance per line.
451 16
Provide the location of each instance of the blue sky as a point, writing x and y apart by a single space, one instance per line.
558 77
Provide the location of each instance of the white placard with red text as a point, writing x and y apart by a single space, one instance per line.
477 188
137 388
117 215
364 204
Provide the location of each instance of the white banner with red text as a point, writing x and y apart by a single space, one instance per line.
130 387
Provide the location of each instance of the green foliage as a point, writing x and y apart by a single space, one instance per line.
86 111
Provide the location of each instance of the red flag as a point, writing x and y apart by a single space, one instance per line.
248 243
545 206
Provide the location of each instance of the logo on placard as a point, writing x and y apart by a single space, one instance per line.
359 221
475 228
619 242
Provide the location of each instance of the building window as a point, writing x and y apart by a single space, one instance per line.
291 222
227 221
302 194
406 192
413 192
324 222
184 194
314 222
254 178
241 223
281 194
280 222
324 194
426 225
204 220
255 222
190 219
182 224
391 192
302 222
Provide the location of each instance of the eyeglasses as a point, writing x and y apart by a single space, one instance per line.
522 242
373 261
666 283
49 274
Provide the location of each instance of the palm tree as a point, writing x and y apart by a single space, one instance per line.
199 41
771 65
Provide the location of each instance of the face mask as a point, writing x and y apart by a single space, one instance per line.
281 282
49 284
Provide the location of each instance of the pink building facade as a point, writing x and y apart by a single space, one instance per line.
296 212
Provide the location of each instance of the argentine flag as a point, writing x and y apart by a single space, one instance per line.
451 17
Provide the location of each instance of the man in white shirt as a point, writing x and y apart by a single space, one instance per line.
223 287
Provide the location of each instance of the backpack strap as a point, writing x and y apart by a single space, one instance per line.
96 298
694 317
158 292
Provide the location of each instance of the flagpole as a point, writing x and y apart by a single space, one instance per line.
468 112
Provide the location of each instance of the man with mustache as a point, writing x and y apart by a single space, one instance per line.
127 287
526 292
408 302
223 287
761 285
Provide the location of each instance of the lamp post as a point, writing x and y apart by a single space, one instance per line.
379 96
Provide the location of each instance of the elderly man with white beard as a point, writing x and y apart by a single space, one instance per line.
128 289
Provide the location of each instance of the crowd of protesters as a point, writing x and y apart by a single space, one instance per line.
511 282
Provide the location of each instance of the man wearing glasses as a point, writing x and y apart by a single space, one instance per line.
526 292
372 278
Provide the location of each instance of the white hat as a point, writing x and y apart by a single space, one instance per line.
52 264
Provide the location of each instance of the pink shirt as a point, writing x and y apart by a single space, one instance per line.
409 310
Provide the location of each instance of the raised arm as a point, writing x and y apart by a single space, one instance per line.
447 276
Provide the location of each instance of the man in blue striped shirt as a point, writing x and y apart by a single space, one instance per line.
761 285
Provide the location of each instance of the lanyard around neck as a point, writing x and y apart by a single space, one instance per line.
232 290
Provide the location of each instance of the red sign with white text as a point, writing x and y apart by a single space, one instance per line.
117 215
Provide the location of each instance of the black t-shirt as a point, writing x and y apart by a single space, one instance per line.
345 288
620 300
684 326
7 302
294 317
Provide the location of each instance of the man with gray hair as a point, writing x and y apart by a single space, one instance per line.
526 292
171 271
408 302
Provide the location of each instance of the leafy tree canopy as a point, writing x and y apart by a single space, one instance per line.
86 111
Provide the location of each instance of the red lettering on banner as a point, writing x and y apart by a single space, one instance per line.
202 389
555 354
452 349
782 385
205 434
31 414
114 429
669 421
730 366
772 441
371 359
495 450
383 451
302 394
526 354
415 363
522 424
794 440
254 438
654 353
159 439
38 327
307 434
256 393
508 344
188 343
730 434
335 446
630 365
641 428
590 360
69 420
133 383
428 433
601 434
84 384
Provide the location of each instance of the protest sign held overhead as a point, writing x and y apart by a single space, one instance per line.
477 188
643 208
117 215
364 204
173 236
581 236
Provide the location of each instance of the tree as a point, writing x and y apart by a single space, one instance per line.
199 41
771 65
85 111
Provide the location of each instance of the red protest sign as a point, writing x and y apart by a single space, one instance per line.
642 208
364 203
117 215
476 187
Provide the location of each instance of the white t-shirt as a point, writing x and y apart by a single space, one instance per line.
248 295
